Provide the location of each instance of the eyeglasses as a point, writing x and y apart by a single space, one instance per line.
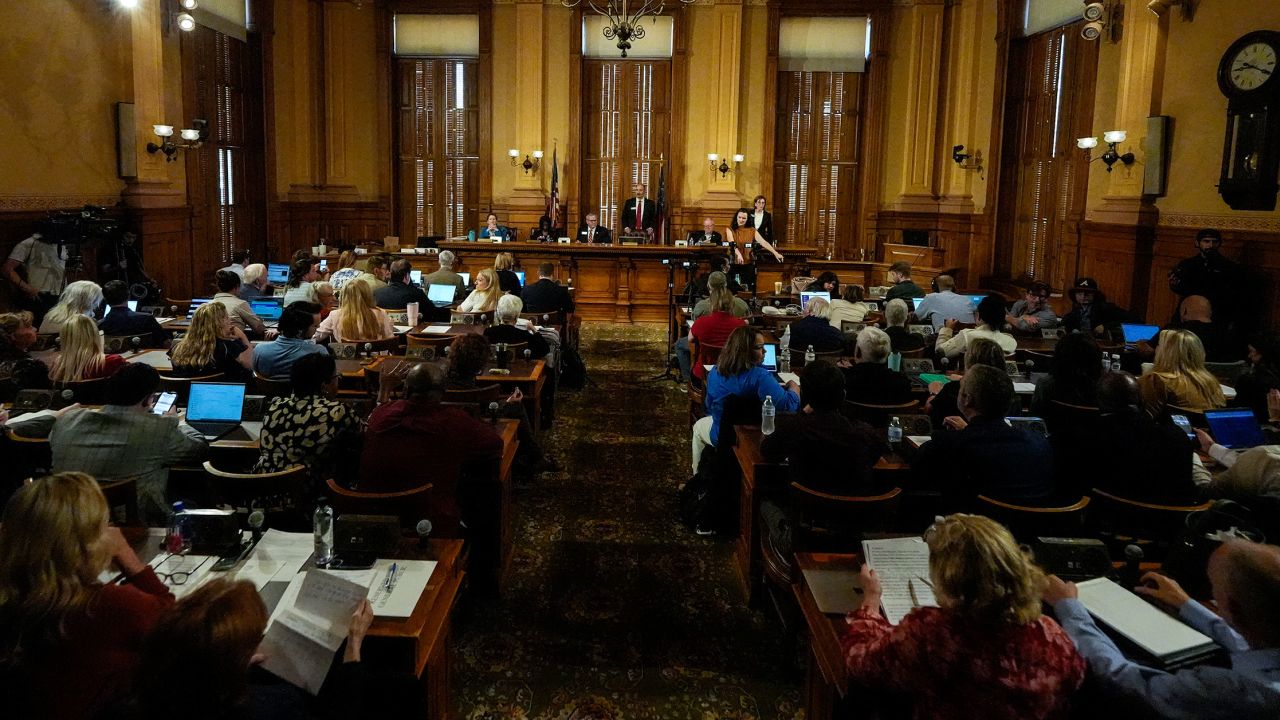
181 575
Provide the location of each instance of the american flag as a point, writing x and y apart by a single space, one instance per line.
662 205
553 203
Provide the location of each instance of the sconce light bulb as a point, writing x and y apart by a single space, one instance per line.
190 134
1087 143
537 154
713 156
1115 136
739 158
186 23
513 153
190 4
163 131
128 4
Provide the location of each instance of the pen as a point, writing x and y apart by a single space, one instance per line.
911 588
391 578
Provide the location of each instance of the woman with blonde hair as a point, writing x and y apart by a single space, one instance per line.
81 297
69 645
1179 376
82 356
507 278
485 297
213 344
357 319
985 646
346 271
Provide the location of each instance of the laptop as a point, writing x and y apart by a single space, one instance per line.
806 296
215 408
133 305
441 295
277 273
975 299
770 362
195 305
520 274
268 309
466 279
1234 429
1134 334
915 303
415 277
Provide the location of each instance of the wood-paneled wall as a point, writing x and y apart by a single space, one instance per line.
296 225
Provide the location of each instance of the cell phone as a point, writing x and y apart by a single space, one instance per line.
324 266
164 403
1182 422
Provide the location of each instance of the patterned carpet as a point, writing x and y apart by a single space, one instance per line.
613 610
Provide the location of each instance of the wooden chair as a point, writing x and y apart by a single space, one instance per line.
872 318
26 457
1027 523
409 505
917 353
86 392
516 350
1121 521
826 522
481 395
1042 360
551 319
122 501
377 347
797 356
437 343
182 385
272 387
1228 373
704 353
248 490
878 416
697 399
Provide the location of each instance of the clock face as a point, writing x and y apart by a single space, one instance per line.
1252 66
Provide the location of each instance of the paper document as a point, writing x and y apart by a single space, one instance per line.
29 416
436 329
258 570
154 358
410 580
833 590
1136 619
903 567
919 440
787 377
308 626
183 573
403 328
293 550
1024 388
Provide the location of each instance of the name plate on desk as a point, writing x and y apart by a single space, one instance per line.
564 241
682 243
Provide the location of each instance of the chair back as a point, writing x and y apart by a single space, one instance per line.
797 356
436 342
409 505
1027 523
248 490
26 457
548 319
912 354
122 500
124 343
916 365
271 387
878 416
697 399
705 353
480 395
457 317
852 326
1122 521
834 523
86 392
181 386
516 350
1227 372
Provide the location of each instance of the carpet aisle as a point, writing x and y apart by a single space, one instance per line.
614 610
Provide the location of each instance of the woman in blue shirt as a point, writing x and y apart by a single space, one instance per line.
739 372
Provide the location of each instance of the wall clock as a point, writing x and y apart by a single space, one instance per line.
1247 75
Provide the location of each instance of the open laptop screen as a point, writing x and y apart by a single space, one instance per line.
195 305
215 402
267 309
806 296
1138 333
440 293
770 357
520 274
415 277
277 273
1234 428
466 279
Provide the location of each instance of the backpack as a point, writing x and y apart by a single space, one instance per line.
696 494
573 372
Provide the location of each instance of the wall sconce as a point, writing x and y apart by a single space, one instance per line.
192 136
965 160
528 165
1113 138
1160 7
723 167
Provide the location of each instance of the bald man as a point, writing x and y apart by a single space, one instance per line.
1246 590
1196 315
708 235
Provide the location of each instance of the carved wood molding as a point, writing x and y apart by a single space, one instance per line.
18 203
1243 223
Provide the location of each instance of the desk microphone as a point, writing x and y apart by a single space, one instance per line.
1132 572
527 353
136 343
423 528
368 348
943 363
256 519
493 413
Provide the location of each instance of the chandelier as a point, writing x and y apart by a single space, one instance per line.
624 23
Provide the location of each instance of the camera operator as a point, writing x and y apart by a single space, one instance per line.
36 269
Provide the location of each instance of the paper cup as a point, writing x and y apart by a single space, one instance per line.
777 288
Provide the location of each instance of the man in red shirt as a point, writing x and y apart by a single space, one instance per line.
416 441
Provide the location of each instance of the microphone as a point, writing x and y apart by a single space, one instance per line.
1132 559
1031 364
368 348
527 353
943 362
256 519
493 413
67 397
173 309
136 343
423 528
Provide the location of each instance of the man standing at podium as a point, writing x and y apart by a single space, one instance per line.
591 232
639 213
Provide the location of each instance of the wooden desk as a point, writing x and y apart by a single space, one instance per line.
528 375
826 678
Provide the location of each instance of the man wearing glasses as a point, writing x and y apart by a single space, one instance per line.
1032 313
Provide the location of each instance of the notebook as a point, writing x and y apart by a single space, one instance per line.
277 273
1134 334
1167 640
215 408
440 295
806 296
1234 429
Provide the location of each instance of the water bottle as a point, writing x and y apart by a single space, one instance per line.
895 432
1115 363
767 414
809 355
177 539
322 529
785 342
1106 363
895 361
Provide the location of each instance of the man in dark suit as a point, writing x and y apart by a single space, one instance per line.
591 232
1147 459
707 235
869 379
639 213
546 295
120 320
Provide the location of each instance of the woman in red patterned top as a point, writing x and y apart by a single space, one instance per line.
986 651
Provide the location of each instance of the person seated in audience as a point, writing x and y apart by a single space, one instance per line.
827 282
17 335
991 322
326 298
506 331
492 229
902 285
308 427
25 374
868 379
1147 459
377 270
1179 376
1092 313
978 453
214 634
895 319
824 450
712 328
848 306
1252 387
213 344
484 299
945 304
358 319
717 285
815 330
699 288
120 320
1073 375
1220 342
238 259
255 284
944 398
446 276
1032 313
81 356
298 323
546 295
81 297
303 275
69 644
468 356
241 314
985 651
402 432
346 271
739 372
399 292
1246 593
503 264
1249 474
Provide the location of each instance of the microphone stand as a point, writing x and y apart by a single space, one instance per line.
671 326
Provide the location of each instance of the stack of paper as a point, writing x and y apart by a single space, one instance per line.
183 573
308 626
902 564
290 550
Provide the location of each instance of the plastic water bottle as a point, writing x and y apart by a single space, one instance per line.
1115 363
785 342
1106 363
809 355
322 528
895 432
895 361
767 414
177 539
